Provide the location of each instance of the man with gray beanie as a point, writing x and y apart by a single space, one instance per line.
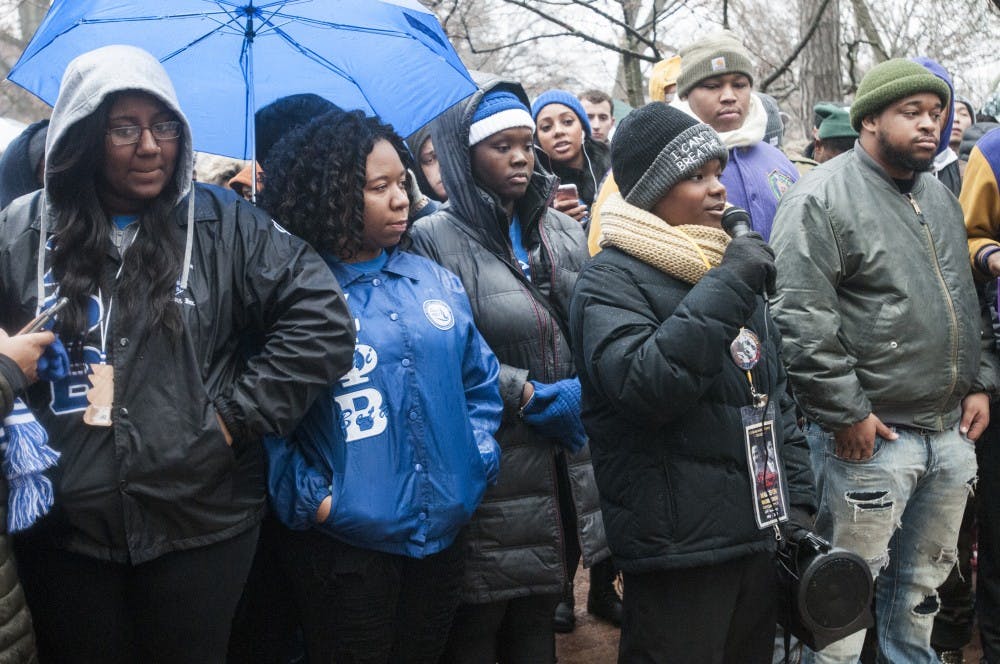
884 348
715 87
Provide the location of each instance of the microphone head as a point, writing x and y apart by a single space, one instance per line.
736 221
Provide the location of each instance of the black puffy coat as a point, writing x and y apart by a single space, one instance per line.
662 399
515 540
265 330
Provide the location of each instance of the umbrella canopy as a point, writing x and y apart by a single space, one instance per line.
229 58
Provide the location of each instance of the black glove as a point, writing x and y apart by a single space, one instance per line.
799 524
752 261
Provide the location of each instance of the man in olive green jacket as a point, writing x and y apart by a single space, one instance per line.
882 338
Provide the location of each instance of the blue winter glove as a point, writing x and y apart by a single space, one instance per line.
554 411
53 365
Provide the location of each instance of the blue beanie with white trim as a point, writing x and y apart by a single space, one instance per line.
498 110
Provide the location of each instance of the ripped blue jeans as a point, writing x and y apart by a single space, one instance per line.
900 510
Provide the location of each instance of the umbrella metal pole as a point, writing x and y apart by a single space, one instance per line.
250 123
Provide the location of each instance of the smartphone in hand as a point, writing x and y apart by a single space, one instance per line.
567 192
41 320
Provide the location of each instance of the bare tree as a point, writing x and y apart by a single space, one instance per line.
628 30
21 18
820 77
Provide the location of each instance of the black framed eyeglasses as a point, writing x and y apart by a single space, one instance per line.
130 135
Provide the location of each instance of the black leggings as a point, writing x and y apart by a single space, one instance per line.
511 632
174 609
363 606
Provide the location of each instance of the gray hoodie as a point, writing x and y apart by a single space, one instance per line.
92 77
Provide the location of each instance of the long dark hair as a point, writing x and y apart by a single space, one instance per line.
83 235
316 179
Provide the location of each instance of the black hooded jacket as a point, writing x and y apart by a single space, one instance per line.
264 329
514 543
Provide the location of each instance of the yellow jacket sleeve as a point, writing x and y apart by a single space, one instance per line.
980 200
594 235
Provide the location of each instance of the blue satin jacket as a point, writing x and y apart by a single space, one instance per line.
404 441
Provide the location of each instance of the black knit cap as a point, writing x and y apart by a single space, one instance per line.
655 147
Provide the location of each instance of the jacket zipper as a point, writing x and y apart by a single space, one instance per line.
539 318
947 294
553 326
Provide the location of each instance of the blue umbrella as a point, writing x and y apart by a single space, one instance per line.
228 58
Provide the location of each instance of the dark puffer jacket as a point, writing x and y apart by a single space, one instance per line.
515 541
661 403
17 640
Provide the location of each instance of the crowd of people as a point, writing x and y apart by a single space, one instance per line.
379 398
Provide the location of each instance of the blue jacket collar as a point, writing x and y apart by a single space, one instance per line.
400 264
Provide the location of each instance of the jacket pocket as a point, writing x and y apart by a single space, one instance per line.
877 340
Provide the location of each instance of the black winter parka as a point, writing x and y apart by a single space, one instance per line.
661 404
514 544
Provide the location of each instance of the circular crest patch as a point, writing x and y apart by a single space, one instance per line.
439 314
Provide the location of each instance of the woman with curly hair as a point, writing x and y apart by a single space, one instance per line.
386 468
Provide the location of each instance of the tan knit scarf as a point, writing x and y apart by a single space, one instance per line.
685 252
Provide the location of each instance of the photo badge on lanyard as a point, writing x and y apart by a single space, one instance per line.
766 477
101 394
767 481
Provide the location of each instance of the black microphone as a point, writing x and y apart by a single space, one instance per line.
736 222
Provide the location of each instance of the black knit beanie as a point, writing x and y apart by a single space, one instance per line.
655 147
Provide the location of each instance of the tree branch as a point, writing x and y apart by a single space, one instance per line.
497 49
864 18
577 33
813 25
634 32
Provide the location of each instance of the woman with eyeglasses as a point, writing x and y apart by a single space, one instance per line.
195 326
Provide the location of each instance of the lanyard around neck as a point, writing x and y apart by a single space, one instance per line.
105 321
